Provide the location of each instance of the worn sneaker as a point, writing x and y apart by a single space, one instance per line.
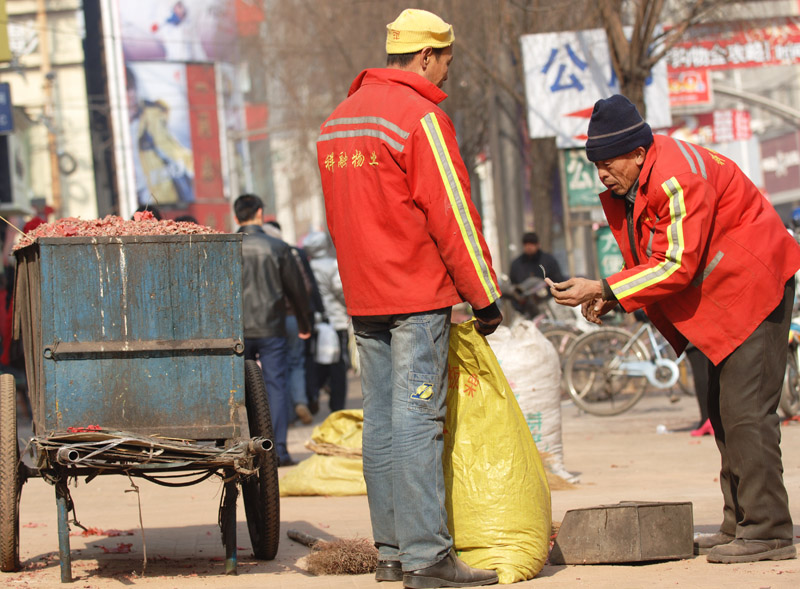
389 570
451 571
705 542
302 411
741 550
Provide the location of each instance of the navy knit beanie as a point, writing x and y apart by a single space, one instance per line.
616 128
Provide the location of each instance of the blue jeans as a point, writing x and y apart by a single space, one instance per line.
272 352
404 384
296 360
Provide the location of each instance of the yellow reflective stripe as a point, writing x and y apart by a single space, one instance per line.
458 203
675 247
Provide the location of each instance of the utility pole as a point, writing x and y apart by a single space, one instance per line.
48 77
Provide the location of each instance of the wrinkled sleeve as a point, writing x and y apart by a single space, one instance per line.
439 185
295 289
679 237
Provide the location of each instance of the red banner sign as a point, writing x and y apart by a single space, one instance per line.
202 93
720 126
737 44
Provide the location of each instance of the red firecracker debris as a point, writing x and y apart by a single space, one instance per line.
120 548
88 428
99 532
144 223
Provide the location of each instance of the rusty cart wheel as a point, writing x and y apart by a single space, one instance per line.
10 482
260 491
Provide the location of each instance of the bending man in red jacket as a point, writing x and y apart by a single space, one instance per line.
709 260
409 245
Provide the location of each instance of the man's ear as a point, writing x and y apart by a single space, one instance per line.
425 56
639 155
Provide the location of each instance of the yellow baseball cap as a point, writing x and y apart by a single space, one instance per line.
415 29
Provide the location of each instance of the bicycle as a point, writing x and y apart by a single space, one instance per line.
607 370
790 395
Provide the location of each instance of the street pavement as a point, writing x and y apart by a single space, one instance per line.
618 458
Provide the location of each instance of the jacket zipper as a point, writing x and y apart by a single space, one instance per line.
629 215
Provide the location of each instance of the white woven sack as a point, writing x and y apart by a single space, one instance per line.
533 371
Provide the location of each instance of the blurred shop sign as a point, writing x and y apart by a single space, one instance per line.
780 163
689 88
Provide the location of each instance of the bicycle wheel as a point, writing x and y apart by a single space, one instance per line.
594 376
562 338
790 395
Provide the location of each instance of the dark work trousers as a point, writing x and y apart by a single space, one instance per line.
744 391
700 370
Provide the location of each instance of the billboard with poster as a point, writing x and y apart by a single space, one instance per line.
158 109
176 99
178 31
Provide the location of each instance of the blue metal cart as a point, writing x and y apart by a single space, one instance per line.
134 361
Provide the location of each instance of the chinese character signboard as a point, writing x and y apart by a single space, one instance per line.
609 258
583 184
719 126
731 125
738 44
566 73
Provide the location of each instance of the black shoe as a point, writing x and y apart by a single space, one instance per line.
741 550
389 570
313 406
286 462
448 572
703 543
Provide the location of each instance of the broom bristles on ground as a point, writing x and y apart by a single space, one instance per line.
356 556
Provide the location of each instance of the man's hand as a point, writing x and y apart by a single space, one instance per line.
304 335
596 308
487 319
576 291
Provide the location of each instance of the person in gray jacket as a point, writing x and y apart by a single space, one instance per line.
270 277
318 248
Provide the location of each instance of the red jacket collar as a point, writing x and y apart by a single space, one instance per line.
649 161
400 77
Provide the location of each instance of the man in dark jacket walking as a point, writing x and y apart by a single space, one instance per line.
270 277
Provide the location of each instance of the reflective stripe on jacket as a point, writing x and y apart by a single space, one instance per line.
397 200
714 255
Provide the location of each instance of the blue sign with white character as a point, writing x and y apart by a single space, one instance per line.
6 116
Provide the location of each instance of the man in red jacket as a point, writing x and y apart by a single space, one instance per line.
709 260
409 246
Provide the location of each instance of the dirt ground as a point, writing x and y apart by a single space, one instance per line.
618 458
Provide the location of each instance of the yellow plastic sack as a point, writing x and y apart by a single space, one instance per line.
498 499
342 429
336 468
325 475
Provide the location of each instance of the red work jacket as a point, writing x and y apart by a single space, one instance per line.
397 200
713 255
